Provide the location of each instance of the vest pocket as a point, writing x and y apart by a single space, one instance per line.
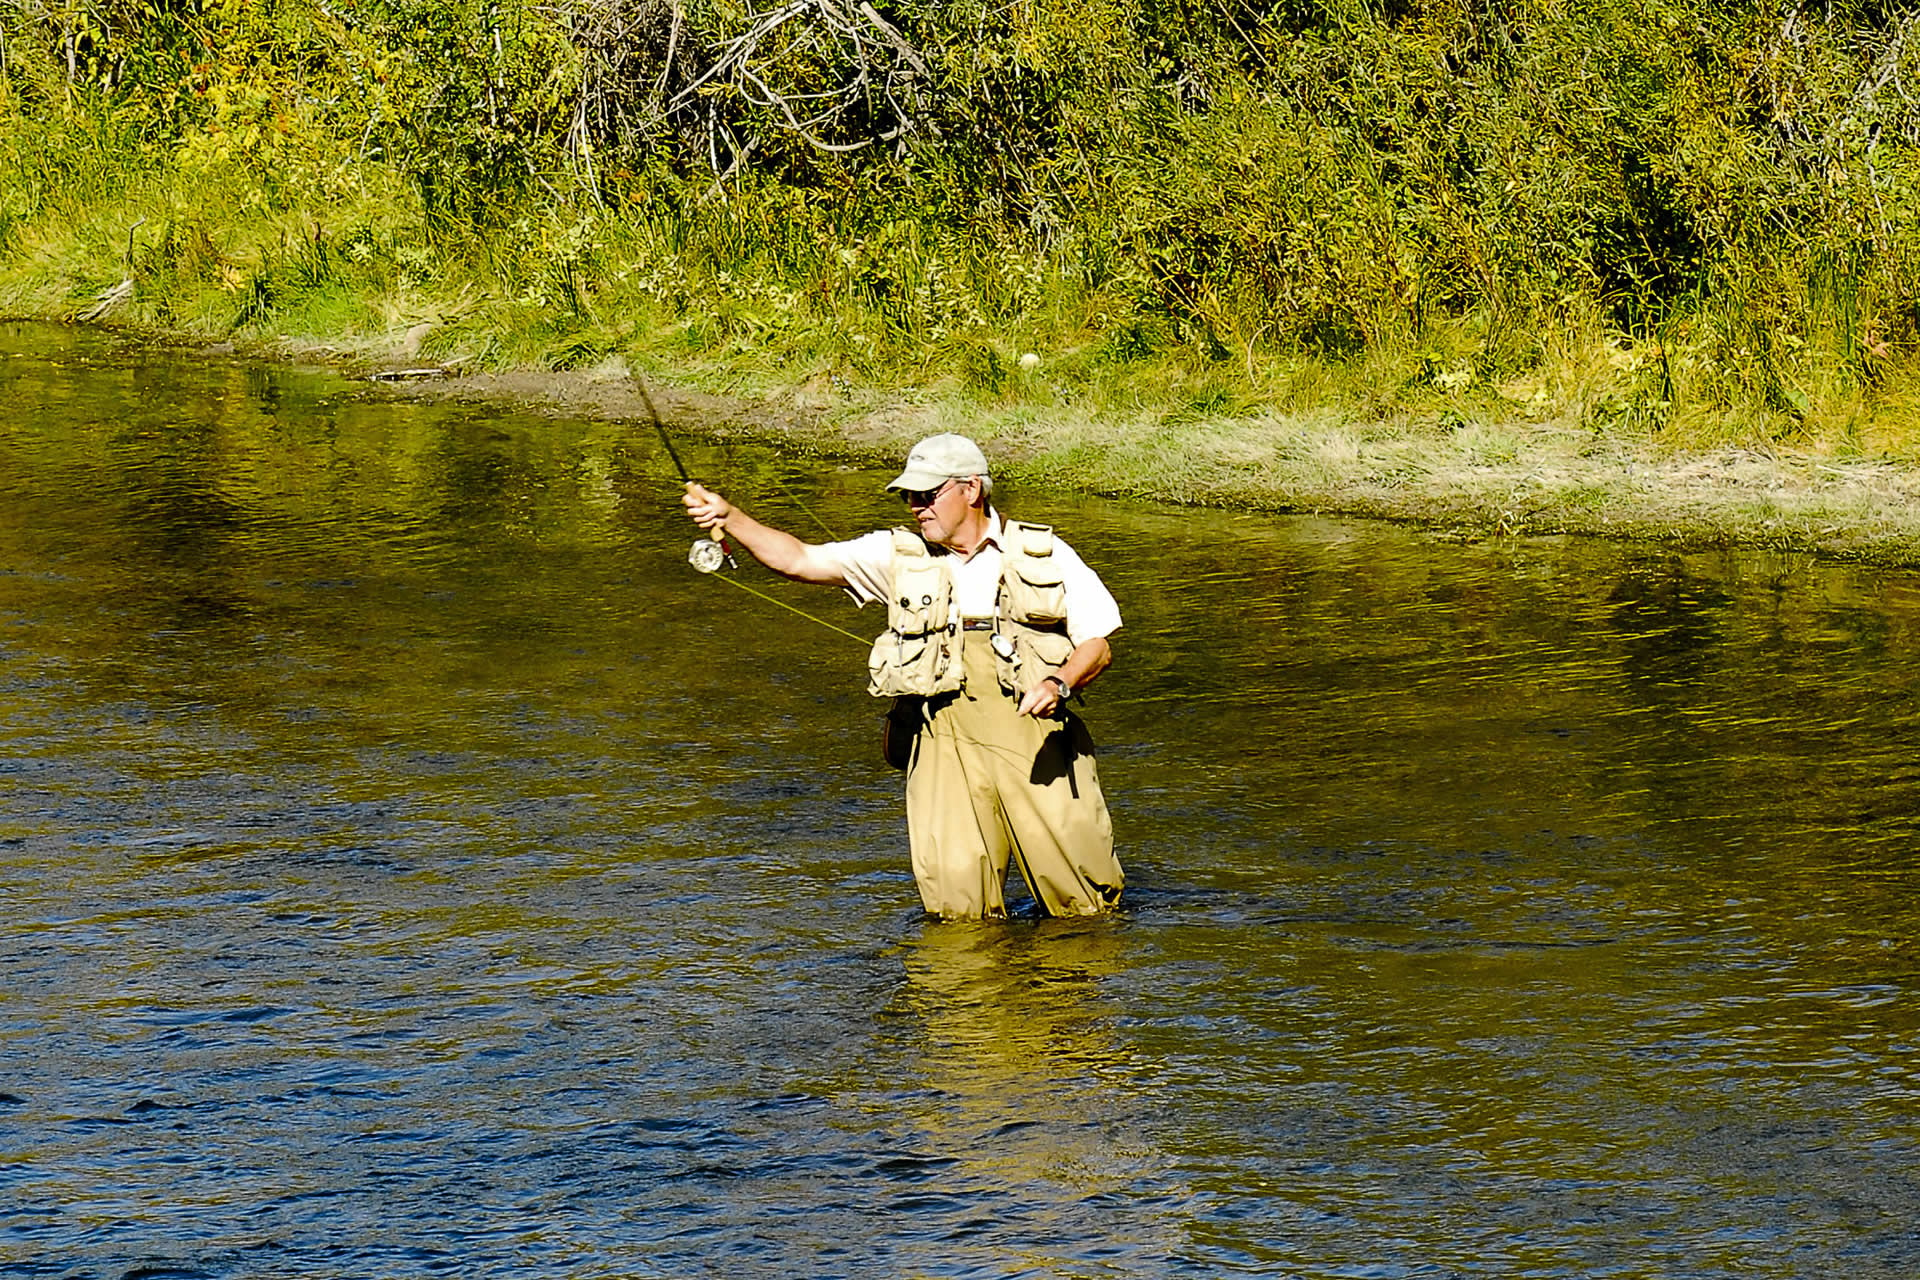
1033 592
920 599
918 665
1031 588
1027 658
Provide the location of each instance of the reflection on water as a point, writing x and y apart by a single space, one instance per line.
412 866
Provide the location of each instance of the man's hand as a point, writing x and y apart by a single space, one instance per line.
1043 699
705 507
1082 667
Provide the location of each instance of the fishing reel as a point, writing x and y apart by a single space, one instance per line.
706 555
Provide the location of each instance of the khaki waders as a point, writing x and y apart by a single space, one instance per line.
986 783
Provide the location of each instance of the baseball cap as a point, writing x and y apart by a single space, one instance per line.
938 459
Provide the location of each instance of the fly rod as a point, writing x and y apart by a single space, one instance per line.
705 555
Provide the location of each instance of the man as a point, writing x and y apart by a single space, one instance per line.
992 627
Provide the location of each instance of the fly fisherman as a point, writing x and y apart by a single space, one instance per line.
992 626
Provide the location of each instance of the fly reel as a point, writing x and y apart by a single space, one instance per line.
706 555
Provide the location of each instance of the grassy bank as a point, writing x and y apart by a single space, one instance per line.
1605 269
1477 479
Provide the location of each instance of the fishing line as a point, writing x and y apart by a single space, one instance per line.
862 641
706 555
793 608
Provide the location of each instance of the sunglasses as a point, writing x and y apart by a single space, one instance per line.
923 497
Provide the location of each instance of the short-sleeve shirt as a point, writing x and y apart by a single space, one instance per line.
867 563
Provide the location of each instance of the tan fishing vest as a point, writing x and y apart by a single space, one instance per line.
919 653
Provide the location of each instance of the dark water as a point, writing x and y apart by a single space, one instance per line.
411 866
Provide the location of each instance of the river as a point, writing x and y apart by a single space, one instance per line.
413 867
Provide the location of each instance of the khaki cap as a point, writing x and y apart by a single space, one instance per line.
938 459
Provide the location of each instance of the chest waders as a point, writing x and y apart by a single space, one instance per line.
986 787
917 656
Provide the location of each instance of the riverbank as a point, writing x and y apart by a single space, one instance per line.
1470 478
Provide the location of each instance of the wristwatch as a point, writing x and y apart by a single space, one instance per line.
1066 690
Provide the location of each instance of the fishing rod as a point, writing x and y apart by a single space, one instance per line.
706 556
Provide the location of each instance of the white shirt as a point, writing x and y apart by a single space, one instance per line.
867 563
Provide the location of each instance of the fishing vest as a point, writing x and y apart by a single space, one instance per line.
918 655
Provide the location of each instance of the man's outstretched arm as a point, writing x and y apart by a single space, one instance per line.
775 548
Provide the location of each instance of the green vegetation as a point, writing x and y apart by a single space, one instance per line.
1642 225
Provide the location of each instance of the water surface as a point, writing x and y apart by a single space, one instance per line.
413 867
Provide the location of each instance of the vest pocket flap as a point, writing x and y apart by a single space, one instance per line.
1037 571
920 599
1050 647
894 662
1031 588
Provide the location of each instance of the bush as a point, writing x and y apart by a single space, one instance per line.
1730 183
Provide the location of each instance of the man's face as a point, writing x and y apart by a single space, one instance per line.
941 512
